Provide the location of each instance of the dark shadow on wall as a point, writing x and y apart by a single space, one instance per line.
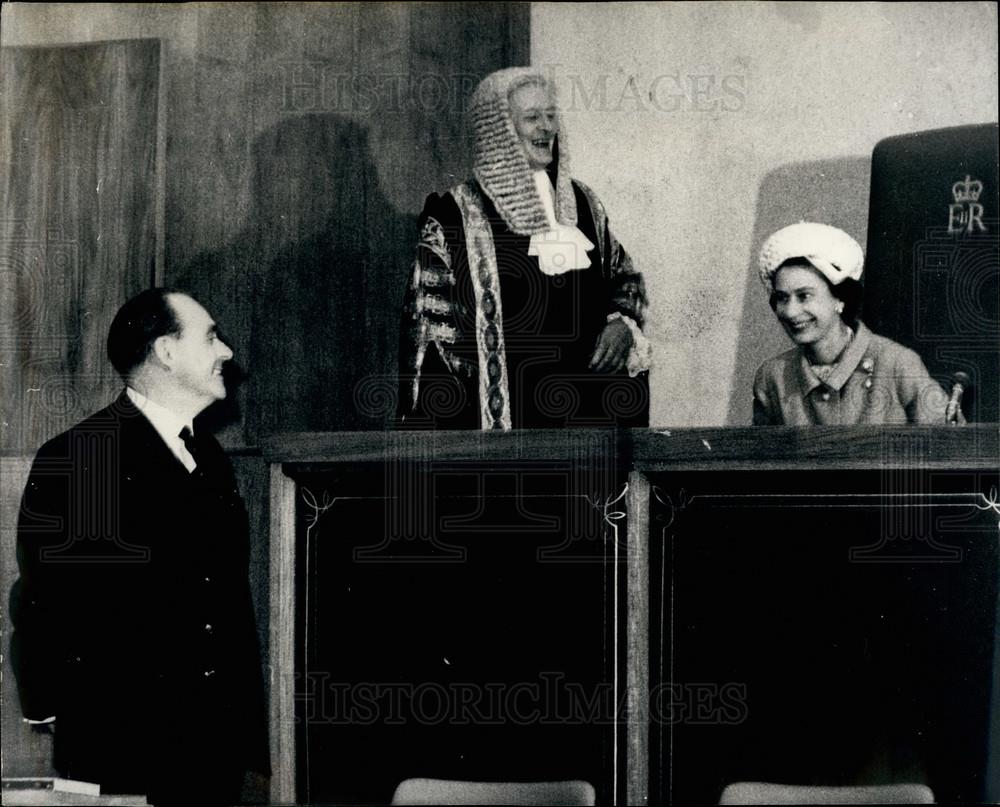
314 285
325 331
308 295
829 191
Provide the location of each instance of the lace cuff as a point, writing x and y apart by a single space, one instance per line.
640 355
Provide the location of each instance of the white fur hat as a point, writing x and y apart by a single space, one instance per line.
830 250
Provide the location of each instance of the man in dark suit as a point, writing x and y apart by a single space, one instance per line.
134 629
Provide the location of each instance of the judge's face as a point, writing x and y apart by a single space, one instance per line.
533 110
197 352
804 304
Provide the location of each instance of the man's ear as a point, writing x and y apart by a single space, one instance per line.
163 351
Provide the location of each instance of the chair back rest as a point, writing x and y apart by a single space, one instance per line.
766 793
932 264
445 791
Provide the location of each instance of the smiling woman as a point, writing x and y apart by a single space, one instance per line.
839 372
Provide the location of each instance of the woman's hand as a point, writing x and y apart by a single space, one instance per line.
612 348
957 419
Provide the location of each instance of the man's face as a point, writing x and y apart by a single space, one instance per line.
533 110
199 353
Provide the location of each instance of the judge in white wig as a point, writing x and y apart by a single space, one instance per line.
523 310
839 372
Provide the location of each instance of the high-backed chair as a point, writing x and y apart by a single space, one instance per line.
765 793
445 791
932 272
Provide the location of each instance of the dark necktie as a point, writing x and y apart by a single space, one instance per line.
191 445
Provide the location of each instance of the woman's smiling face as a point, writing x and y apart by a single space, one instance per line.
804 304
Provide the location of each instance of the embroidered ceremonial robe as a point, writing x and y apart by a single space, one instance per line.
490 342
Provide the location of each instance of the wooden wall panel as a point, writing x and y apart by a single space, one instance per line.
301 151
77 223
78 128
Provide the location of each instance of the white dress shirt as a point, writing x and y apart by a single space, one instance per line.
167 424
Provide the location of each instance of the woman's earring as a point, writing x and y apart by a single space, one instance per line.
840 308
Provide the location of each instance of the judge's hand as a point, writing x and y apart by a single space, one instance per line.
612 348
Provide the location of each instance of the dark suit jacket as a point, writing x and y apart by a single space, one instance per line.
133 622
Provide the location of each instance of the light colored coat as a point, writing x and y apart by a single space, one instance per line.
876 381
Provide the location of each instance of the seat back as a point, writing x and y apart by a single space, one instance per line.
445 791
932 264
765 793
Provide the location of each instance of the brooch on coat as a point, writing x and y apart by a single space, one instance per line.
868 365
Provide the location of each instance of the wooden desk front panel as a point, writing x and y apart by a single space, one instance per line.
818 627
456 623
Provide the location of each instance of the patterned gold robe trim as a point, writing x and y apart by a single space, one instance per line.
494 397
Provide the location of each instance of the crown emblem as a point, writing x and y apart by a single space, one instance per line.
967 191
